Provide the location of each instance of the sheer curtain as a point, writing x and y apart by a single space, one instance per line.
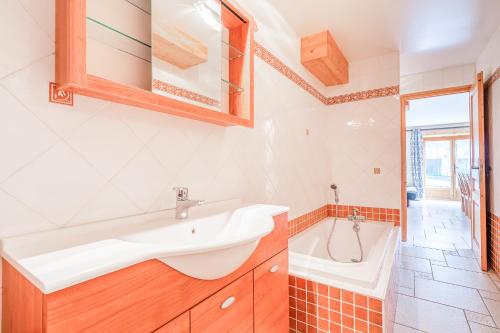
417 156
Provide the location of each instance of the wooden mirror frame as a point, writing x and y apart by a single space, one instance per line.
71 71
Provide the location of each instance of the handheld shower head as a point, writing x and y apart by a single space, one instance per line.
334 188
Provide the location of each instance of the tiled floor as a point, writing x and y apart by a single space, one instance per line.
441 286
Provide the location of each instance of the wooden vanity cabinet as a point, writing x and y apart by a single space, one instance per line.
229 310
153 297
180 324
271 295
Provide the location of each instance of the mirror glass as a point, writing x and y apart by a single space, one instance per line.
190 52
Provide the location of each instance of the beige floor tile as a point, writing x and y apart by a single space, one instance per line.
439 245
464 278
405 291
414 264
406 278
404 329
422 252
466 253
449 294
429 316
463 263
479 318
490 295
478 328
494 308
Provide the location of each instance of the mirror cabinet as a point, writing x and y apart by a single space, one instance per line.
190 58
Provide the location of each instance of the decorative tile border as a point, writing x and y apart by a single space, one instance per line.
307 220
273 61
181 92
362 95
492 79
60 96
493 230
316 307
285 70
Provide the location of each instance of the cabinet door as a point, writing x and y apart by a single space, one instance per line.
271 294
229 310
177 325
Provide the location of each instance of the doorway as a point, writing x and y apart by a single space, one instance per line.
436 161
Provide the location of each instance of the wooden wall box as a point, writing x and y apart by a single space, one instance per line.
71 72
153 297
322 57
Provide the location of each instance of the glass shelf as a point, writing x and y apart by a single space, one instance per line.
231 87
230 52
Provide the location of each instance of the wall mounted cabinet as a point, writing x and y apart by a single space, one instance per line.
323 58
194 71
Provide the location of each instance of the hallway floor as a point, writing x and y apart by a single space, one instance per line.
441 286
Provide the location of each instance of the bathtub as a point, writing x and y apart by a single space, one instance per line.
309 258
372 281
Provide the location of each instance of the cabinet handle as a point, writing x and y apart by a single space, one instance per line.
228 302
274 269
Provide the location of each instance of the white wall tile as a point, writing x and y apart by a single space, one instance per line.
19 147
22 40
56 184
438 79
106 143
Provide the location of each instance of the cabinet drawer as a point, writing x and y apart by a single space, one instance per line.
229 310
271 294
177 325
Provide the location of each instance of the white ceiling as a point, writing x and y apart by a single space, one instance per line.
430 34
441 110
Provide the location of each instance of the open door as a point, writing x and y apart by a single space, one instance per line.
478 177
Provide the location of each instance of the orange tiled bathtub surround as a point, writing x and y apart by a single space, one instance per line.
318 307
371 213
307 220
280 66
494 242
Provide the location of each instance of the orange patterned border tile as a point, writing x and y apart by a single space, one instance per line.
273 61
362 95
280 66
492 79
181 92
60 96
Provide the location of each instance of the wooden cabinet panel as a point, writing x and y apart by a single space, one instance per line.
229 310
271 295
178 325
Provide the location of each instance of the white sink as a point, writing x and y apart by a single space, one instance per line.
217 240
209 247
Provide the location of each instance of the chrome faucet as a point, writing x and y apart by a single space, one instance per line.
183 203
356 218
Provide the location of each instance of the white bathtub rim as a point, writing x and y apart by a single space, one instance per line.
382 285
369 269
